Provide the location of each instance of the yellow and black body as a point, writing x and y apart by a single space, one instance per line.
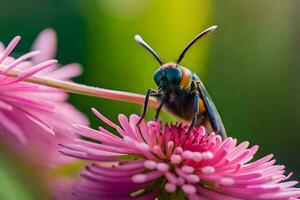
182 92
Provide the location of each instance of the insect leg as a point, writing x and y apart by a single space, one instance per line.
150 92
195 112
159 108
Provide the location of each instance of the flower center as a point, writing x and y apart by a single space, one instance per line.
175 169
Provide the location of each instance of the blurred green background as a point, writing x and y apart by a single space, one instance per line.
250 65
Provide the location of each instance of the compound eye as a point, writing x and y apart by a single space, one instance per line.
174 75
158 76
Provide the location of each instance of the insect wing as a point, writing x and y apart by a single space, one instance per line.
213 115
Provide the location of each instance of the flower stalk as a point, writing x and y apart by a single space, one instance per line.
76 88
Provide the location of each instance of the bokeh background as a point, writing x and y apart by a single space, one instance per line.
250 65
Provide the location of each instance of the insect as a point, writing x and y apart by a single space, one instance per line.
182 92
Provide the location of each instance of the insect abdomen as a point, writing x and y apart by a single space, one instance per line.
182 105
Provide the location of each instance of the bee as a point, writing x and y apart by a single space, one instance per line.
182 92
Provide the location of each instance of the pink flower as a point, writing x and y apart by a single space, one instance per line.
154 161
35 118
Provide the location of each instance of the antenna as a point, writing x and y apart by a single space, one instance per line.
205 32
140 40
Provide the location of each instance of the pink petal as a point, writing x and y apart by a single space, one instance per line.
46 43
